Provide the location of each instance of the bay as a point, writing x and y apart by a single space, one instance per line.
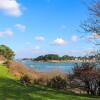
49 66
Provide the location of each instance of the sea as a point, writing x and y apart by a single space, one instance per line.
49 66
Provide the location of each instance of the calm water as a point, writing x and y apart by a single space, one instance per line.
49 66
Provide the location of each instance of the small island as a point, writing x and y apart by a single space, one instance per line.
65 58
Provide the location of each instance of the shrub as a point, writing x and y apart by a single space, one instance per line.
20 70
26 79
89 76
40 81
57 82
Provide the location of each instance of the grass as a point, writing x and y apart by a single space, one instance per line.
11 89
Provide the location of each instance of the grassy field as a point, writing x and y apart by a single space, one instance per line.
11 89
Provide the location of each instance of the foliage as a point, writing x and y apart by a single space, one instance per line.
97 56
57 82
89 77
54 57
11 89
6 52
40 81
66 57
39 58
92 24
26 79
48 57
89 73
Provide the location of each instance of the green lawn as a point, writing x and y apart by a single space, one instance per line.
11 89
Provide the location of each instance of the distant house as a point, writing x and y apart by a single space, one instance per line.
2 59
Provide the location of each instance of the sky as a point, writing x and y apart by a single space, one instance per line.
37 27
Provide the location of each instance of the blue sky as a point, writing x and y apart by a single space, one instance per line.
37 27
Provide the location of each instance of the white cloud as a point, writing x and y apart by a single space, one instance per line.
21 27
74 38
39 38
10 7
59 41
7 32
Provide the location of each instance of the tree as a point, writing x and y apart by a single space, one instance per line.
66 57
92 24
52 57
6 52
48 57
89 76
39 58
57 82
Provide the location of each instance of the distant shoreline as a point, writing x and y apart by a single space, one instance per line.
59 61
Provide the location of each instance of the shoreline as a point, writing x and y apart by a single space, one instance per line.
59 61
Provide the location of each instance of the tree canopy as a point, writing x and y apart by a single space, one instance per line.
6 52
54 57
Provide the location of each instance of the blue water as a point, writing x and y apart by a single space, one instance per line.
49 66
